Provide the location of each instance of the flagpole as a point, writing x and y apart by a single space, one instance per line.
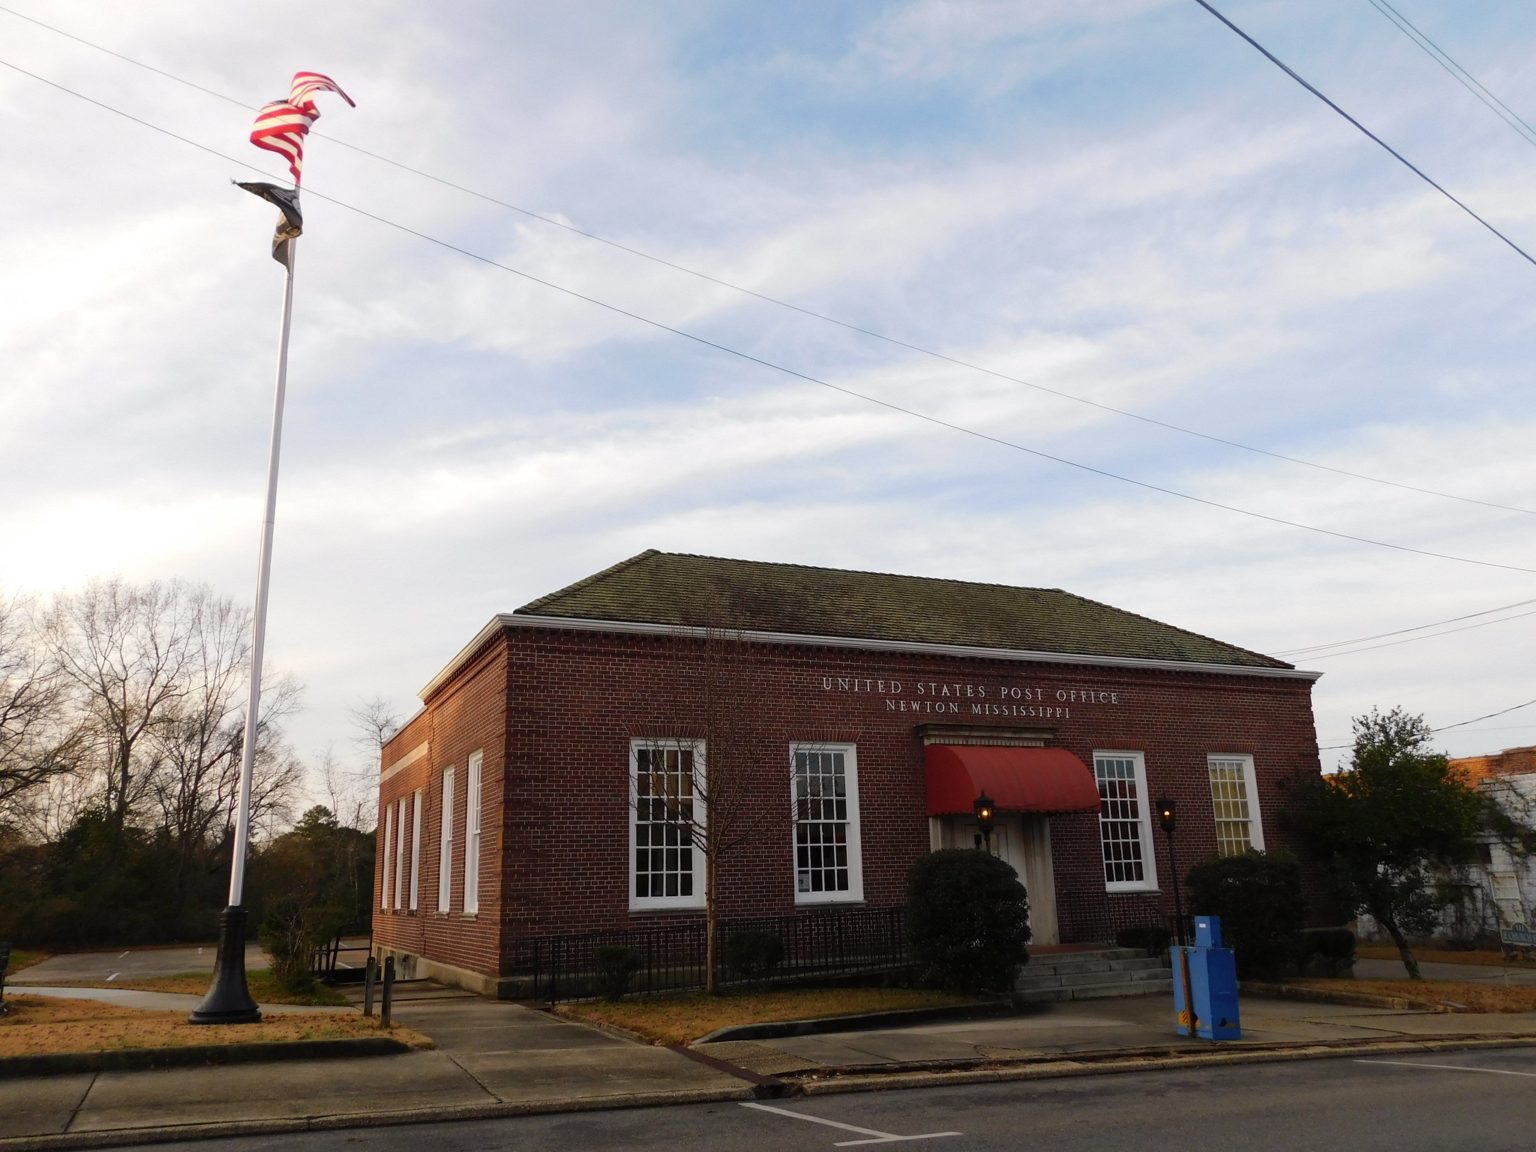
229 998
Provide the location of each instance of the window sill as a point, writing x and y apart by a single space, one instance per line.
832 902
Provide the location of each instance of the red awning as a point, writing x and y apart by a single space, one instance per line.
1017 779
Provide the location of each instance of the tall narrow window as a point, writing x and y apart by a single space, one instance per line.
666 808
1235 804
826 805
1125 826
472 837
389 840
445 846
400 854
415 848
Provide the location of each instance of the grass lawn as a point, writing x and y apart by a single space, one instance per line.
1441 956
21 958
1468 995
43 1025
683 1019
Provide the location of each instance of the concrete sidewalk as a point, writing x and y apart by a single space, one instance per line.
492 1059
498 1059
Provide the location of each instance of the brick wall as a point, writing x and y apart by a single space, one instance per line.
555 711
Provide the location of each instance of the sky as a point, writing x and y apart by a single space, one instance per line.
1049 209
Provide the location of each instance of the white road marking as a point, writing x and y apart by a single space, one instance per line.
112 977
877 1137
122 954
1448 1067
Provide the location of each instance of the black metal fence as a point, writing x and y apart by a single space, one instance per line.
823 944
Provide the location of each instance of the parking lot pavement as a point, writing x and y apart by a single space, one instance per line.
128 964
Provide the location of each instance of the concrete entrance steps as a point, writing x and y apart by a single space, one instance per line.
1093 973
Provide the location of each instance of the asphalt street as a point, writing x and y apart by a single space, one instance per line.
1420 1103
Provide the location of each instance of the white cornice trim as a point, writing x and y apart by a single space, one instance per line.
634 628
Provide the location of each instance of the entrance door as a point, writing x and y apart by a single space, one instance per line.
1023 841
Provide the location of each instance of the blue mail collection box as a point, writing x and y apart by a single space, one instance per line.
1210 972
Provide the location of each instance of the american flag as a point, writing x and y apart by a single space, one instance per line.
282 125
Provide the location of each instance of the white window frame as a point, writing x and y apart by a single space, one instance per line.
389 839
472 835
1148 882
415 848
855 890
700 817
400 854
1251 790
445 847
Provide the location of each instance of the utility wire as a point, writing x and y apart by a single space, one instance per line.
1414 639
1419 172
1445 727
1404 631
1468 81
807 312
773 366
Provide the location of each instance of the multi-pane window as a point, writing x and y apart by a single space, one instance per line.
1235 804
445 846
415 847
472 836
826 806
400 854
666 822
1124 821
389 837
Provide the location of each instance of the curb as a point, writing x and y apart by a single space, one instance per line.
876 1078
229 1129
145 1059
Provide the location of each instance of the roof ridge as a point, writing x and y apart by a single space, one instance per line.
611 570
854 572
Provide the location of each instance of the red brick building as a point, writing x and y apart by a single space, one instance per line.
834 725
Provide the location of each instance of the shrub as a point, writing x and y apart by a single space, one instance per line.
968 921
1151 938
1259 900
616 967
753 955
1327 951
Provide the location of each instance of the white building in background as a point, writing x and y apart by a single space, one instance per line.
1499 889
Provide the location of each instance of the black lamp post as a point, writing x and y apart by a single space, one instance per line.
1167 816
984 815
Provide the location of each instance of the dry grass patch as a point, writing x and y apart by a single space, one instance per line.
44 1025
683 1019
1442 956
1466 995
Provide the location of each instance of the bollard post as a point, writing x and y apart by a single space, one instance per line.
389 991
370 977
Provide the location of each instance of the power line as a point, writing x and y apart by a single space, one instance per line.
1402 631
1468 81
1419 172
1413 639
807 312
1444 727
784 369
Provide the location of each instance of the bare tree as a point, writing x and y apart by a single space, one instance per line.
36 741
695 783
124 651
375 724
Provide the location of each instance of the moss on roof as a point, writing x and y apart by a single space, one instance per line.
704 591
